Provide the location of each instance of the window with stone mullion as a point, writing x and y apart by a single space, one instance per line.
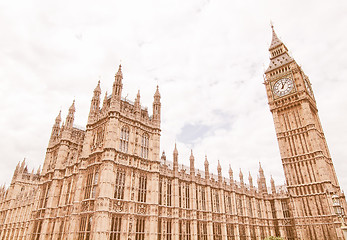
116 223
119 185
142 189
144 146
85 227
91 184
140 229
124 140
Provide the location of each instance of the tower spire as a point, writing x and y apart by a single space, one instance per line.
71 116
175 159
118 85
95 103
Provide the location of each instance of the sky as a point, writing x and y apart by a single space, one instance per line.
207 56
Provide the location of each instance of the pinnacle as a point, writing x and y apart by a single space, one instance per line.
97 88
119 73
275 40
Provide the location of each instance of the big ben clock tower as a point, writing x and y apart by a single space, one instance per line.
308 168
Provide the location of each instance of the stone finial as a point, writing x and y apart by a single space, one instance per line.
241 177
219 168
273 187
231 173
175 159
157 94
250 180
163 156
207 172
97 89
119 74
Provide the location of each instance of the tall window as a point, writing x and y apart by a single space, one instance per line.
44 195
250 207
184 230
119 185
202 230
215 200
91 183
259 209
68 194
144 145
239 205
142 189
37 230
230 232
85 227
217 231
140 229
124 140
115 227
227 203
165 189
164 229
184 194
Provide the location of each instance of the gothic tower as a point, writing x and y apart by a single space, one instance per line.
308 168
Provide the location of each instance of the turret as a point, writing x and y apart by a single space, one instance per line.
250 180
191 160
95 103
241 178
156 106
273 187
70 117
261 181
56 127
231 174
118 85
207 172
137 103
175 159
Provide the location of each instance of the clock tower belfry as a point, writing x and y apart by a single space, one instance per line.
308 168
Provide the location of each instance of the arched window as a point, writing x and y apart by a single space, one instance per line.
124 140
144 145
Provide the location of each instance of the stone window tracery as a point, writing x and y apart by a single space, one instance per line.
217 231
144 145
184 194
202 230
119 185
91 183
140 229
165 189
142 190
85 227
184 230
124 140
164 229
116 223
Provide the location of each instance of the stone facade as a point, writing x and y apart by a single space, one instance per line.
110 182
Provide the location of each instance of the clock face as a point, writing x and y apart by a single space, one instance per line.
283 87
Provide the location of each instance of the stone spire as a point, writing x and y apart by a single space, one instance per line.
70 117
261 180
156 106
273 187
137 102
56 127
95 103
207 172
175 159
191 160
241 177
250 180
279 56
118 85
275 42
104 103
231 174
219 170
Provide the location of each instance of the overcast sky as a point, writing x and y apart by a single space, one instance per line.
208 58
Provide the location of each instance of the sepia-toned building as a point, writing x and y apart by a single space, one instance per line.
110 181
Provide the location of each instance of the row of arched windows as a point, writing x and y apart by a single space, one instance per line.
124 142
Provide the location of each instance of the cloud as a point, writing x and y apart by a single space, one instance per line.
208 58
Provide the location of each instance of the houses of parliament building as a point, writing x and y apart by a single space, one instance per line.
110 181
